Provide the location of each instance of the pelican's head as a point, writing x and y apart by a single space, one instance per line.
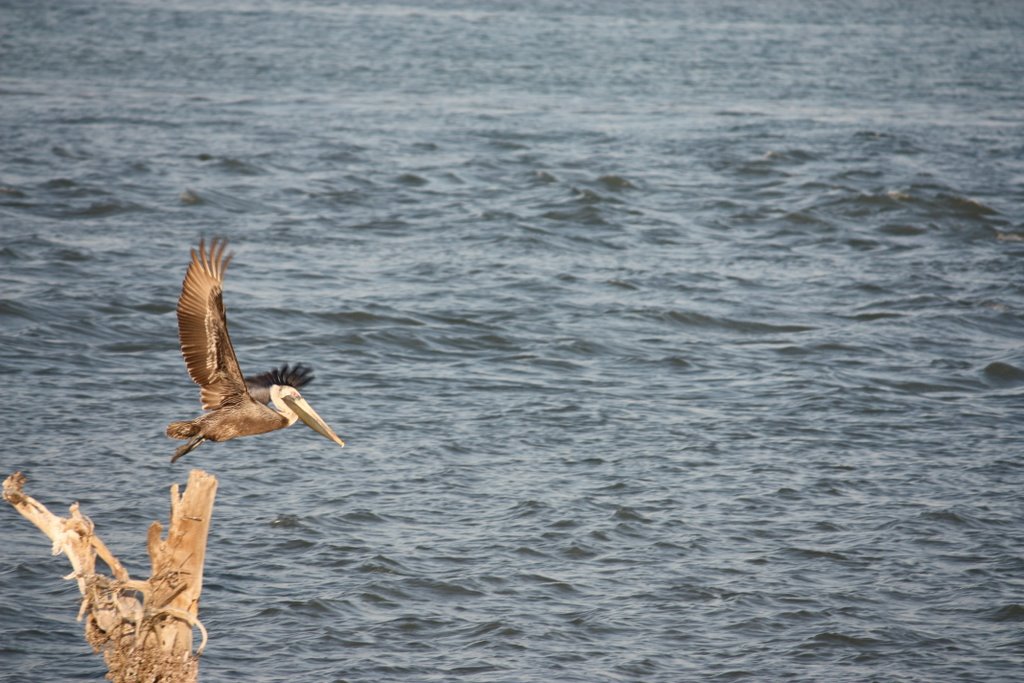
290 403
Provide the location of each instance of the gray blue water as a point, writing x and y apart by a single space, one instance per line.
672 341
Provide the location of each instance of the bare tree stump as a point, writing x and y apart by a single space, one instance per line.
143 628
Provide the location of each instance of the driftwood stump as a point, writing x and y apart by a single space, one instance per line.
143 628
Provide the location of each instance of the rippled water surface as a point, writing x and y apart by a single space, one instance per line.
672 341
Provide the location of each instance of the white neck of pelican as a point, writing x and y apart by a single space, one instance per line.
277 392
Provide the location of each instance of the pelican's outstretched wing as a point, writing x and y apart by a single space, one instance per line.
203 329
259 385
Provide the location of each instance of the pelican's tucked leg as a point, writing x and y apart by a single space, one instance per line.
193 443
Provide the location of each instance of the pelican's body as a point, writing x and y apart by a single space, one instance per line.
237 406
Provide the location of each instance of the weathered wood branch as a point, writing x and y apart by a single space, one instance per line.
143 628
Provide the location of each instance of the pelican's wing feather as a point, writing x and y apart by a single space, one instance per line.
259 385
203 329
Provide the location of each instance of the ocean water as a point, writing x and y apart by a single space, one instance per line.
672 341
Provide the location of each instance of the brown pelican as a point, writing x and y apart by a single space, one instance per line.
237 406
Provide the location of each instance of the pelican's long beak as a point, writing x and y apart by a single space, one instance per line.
312 420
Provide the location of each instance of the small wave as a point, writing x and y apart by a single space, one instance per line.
577 551
343 153
363 517
292 545
15 310
411 180
71 255
102 209
691 318
375 598
312 606
902 230
892 143
286 522
443 588
917 205
586 215
622 284
232 165
384 226
872 135
628 514
61 184
586 196
862 203
1013 612
132 347
507 145
615 182
544 177
498 627
813 554
966 205
833 638
159 308
673 362
921 388
953 517
877 315
805 218
1003 373
379 564
189 197
366 319
548 582
789 155
771 163
65 153
481 342
529 508
219 199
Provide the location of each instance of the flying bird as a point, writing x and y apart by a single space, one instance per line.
237 406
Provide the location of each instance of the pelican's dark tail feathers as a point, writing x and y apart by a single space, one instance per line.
185 430
182 430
